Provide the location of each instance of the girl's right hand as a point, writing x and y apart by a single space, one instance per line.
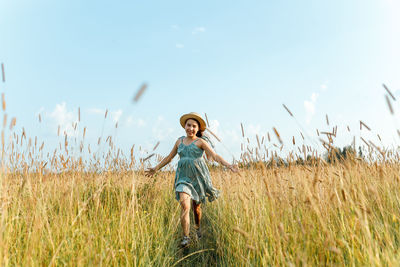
150 172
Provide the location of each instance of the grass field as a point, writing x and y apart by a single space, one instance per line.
339 214
75 210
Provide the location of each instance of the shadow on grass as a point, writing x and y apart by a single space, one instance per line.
201 252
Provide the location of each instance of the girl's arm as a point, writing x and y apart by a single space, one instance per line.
165 161
211 154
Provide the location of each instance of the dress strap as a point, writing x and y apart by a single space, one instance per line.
182 137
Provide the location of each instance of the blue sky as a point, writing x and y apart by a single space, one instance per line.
237 61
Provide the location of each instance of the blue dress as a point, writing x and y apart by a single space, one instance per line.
192 176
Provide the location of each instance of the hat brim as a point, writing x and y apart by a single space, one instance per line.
185 117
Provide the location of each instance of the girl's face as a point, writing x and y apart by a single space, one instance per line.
191 128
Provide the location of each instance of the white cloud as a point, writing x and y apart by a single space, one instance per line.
198 30
130 121
175 27
64 118
116 115
253 129
162 130
141 123
96 111
179 46
324 86
309 105
214 126
233 135
39 111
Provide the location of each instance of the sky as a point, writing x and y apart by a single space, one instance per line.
236 61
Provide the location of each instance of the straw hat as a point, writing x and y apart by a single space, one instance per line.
196 116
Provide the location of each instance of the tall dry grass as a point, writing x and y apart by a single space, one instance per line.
342 214
65 208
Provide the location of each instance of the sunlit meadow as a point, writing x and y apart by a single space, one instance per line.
98 208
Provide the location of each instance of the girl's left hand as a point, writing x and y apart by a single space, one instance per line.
234 168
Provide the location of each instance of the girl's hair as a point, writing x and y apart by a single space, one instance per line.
199 132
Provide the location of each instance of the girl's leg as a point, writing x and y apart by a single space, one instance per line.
197 213
184 200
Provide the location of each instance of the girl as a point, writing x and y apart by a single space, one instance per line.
192 179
